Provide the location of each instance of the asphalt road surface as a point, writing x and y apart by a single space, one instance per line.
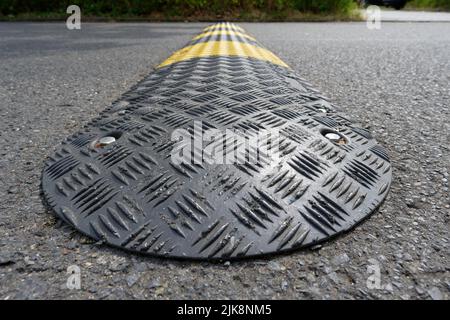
394 81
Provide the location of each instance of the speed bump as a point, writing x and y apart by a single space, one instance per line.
116 180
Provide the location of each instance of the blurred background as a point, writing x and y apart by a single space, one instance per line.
206 10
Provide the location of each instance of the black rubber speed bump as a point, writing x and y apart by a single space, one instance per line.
115 179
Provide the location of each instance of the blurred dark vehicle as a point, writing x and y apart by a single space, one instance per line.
396 4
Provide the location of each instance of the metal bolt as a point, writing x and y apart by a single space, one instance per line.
336 138
332 136
103 142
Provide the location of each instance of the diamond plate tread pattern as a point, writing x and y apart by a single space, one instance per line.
131 195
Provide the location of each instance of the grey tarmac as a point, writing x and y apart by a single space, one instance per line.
393 81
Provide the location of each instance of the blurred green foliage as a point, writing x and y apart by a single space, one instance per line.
178 7
438 4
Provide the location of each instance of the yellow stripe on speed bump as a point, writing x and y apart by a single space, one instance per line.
223 32
222 25
223 48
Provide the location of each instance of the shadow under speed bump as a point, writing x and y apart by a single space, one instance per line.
178 166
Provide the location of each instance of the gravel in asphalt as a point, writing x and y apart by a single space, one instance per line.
394 81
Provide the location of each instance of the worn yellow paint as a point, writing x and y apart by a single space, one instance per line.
223 48
223 32
224 25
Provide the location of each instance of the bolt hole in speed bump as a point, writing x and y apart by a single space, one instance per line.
117 180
